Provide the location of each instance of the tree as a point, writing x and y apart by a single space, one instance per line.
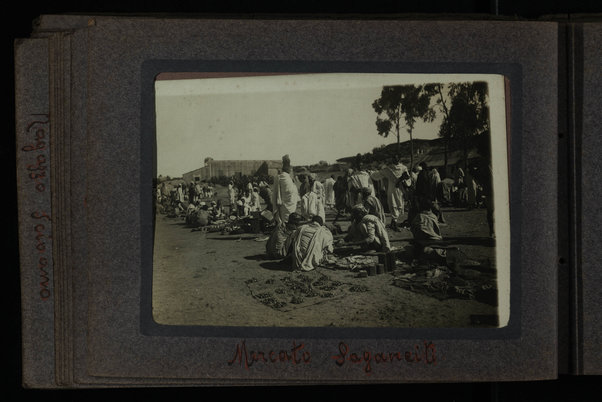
400 106
468 113
441 105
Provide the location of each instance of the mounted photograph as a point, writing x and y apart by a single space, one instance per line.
331 200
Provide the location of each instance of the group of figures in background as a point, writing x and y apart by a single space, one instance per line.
413 199
292 209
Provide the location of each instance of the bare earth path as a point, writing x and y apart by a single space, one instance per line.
214 280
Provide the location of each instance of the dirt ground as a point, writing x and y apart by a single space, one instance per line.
212 279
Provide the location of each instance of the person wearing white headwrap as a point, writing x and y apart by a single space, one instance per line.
390 175
285 195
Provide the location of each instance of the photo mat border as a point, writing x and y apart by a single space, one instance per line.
151 68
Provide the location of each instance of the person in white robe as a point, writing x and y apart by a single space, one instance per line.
367 231
312 205
279 244
329 200
255 202
285 194
232 197
244 204
390 175
359 179
311 242
181 197
373 205
317 187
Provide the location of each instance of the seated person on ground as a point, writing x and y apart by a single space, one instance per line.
279 243
367 231
310 243
199 216
425 225
426 232
373 204
203 216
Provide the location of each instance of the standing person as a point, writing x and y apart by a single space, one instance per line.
427 186
329 193
305 186
232 197
285 195
198 190
255 203
486 180
317 187
447 185
414 174
265 192
244 204
407 183
340 194
312 204
359 179
310 243
164 194
373 204
191 193
391 175
471 187
181 193
459 174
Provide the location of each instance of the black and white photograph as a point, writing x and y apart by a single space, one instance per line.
331 200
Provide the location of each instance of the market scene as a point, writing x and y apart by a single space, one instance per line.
403 236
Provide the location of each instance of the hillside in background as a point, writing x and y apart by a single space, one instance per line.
430 151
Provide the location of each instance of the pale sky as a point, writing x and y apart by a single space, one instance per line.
310 117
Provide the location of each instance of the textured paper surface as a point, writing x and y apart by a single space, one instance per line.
35 227
115 62
591 165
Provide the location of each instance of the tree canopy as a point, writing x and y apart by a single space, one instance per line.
401 106
469 110
463 106
468 113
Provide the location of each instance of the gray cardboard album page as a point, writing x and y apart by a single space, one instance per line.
290 201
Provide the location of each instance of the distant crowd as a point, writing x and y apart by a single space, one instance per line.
294 206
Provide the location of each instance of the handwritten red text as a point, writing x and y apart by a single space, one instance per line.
246 358
425 353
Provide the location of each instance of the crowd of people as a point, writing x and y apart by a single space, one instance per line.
412 198
295 206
